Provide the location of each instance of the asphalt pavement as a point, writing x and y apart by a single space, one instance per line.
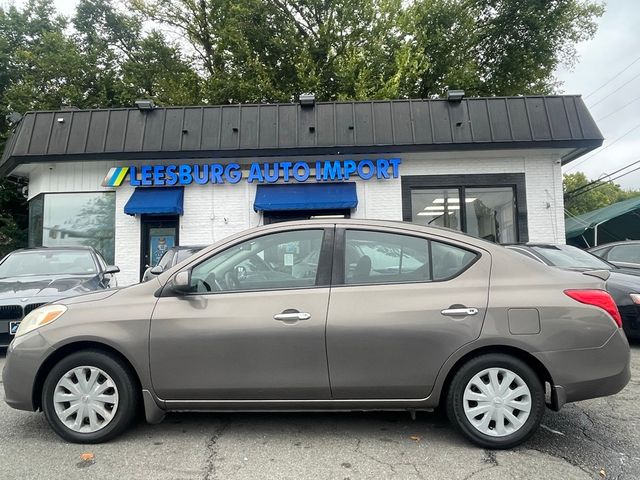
595 439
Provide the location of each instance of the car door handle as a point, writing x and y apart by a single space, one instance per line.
288 316
459 312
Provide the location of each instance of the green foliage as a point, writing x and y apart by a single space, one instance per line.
605 193
223 51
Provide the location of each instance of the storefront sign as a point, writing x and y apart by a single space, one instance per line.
267 172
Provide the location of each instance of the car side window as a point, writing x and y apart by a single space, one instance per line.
377 257
275 261
448 260
624 253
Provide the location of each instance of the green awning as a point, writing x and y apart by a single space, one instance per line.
576 226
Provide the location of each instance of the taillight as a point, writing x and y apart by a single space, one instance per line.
597 298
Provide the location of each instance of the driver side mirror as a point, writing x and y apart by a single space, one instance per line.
111 269
182 282
157 270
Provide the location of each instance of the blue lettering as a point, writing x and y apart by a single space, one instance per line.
332 170
285 166
233 173
170 175
216 173
395 164
255 174
349 168
365 175
271 177
318 171
185 175
158 175
133 177
201 174
305 171
146 175
382 166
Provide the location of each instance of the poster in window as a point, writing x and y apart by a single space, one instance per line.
160 240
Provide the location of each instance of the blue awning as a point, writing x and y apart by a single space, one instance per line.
155 201
306 196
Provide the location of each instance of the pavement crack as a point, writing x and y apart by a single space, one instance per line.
212 448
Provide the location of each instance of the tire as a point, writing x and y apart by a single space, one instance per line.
113 380
465 391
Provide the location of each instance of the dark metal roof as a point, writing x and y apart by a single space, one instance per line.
290 129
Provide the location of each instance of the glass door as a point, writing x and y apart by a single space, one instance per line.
159 234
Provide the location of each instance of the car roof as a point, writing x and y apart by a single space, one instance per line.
45 249
611 244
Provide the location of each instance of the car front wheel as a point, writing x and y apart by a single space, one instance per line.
496 400
89 397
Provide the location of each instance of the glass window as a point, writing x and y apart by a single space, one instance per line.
566 256
436 207
36 209
279 260
185 253
48 262
448 260
376 257
486 212
490 214
625 253
80 219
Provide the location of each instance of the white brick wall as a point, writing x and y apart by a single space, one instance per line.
213 212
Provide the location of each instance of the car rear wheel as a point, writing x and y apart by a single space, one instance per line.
496 400
89 397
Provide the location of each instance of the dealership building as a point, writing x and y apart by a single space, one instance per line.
134 182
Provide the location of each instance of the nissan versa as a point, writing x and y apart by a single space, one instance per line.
327 315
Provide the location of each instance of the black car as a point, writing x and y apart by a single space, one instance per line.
623 284
31 277
171 257
623 254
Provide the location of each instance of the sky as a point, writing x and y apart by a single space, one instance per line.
607 75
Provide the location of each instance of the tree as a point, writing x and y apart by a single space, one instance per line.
255 50
605 193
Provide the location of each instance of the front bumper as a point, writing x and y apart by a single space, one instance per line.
589 372
21 368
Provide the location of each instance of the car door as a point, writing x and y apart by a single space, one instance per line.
400 306
248 335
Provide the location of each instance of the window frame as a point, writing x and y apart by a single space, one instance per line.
461 182
338 277
323 272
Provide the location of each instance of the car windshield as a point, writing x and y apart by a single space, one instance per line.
48 262
186 253
566 256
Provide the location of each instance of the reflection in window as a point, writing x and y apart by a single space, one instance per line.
436 207
279 260
36 210
80 219
490 214
376 257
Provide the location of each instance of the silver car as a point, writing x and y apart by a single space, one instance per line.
385 316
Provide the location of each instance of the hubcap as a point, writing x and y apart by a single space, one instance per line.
497 402
85 399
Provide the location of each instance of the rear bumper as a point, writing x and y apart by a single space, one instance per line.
588 373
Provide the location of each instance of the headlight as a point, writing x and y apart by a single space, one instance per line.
635 297
39 317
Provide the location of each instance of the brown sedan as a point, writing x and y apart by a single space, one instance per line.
327 315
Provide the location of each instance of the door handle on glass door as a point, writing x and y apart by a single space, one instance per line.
459 312
291 316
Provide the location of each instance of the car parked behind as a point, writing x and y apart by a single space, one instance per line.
623 284
171 257
32 277
623 254
386 316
